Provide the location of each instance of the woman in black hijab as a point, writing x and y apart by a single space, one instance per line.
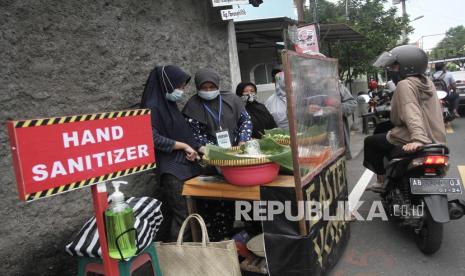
175 146
212 113
261 117
220 118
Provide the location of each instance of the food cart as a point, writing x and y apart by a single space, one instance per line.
307 245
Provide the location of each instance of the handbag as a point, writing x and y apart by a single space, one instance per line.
203 258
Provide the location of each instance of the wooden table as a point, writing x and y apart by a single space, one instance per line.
215 187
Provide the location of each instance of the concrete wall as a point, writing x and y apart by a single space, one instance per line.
71 57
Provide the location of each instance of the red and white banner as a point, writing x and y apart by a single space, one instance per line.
307 40
56 155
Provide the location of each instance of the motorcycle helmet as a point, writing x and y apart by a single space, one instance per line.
373 85
412 60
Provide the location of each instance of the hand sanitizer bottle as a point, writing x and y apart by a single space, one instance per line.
119 220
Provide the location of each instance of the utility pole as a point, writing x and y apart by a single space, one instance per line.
314 6
347 10
404 8
404 17
299 4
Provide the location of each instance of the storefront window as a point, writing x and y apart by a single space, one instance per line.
262 73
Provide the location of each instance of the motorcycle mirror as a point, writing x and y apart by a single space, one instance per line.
441 94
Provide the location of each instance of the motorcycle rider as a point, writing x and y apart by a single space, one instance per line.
415 111
452 96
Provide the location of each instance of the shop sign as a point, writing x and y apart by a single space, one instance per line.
56 155
232 14
220 3
307 40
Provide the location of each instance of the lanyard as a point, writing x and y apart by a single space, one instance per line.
216 118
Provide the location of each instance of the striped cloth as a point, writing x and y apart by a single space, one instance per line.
148 219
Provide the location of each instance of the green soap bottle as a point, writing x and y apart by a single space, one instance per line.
119 219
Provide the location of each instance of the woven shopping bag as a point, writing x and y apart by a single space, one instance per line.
198 258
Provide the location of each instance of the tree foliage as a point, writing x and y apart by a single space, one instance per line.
382 28
453 45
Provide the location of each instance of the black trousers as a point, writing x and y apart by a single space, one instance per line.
454 99
173 208
376 147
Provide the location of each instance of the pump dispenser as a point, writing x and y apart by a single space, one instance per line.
119 224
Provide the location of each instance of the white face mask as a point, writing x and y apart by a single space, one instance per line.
175 96
280 85
250 98
208 95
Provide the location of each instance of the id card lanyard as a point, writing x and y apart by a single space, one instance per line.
222 136
215 117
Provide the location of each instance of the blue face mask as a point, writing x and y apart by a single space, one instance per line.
208 95
175 96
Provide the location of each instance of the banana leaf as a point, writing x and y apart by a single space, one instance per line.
276 131
304 131
274 151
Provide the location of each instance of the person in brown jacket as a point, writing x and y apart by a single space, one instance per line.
415 111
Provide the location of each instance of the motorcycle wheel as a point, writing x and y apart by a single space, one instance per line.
429 238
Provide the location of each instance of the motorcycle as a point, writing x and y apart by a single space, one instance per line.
379 107
416 193
446 113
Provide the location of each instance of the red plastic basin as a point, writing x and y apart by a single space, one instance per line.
251 175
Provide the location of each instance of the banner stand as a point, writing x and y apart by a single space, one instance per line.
100 200
56 155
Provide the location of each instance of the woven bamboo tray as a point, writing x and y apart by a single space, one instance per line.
283 141
303 140
235 149
237 163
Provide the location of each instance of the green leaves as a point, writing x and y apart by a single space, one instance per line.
274 151
382 27
453 45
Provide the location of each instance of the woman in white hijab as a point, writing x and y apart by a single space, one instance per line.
277 103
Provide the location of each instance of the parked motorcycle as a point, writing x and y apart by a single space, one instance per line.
378 109
416 193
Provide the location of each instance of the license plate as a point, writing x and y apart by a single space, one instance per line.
423 186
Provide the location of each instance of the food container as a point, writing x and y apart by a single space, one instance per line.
251 175
316 158
311 140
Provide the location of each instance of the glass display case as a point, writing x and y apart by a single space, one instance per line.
314 112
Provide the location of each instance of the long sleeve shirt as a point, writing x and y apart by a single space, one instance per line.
242 133
162 143
348 102
172 161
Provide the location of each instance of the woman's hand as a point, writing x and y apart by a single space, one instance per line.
202 150
241 143
412 147
191 154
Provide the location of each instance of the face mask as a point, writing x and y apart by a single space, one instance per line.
395 76
175 96
280 84
250 98
208 95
